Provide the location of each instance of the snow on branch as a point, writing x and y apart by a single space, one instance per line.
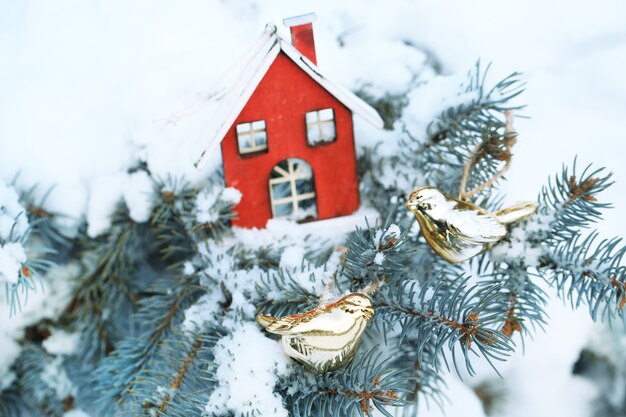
16 271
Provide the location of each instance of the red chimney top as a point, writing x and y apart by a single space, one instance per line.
302 34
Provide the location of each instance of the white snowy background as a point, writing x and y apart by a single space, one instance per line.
87 86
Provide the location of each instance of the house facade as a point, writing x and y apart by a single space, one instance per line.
290 148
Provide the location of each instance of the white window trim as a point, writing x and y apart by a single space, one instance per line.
291 176
251 133
320 124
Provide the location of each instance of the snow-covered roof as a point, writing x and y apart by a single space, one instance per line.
239 83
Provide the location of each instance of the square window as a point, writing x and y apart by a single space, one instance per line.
320 126
251 137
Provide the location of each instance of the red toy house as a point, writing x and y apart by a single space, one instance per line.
286 132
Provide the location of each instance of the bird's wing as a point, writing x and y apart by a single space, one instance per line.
312 322
291 325
477 226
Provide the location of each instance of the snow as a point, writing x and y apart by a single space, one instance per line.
76 413
379 258
316 280
283 232
188 268
517 247
206 210
13 230
205 202
89 87
105 195
12 256
40 305
10 352
292 257
429 100
55 377
240 284
248 364
137 191
201 312
384 236
231 195
61 342
462 401
107 191
13 221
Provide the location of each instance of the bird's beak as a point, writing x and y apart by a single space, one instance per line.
412 205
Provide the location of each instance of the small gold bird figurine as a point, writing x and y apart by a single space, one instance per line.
459 230
326 338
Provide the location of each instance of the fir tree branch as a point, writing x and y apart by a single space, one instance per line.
181 373
571 198
107 288
368 384
121 376
472 136
452 316
585 270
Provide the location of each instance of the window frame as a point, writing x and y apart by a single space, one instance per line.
291 176
254 149
320 123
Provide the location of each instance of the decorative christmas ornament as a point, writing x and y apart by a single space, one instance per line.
274 104
326 338
459 230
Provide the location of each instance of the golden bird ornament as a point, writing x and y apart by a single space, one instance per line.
326 338
458 230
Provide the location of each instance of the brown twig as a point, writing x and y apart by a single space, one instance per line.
580 190
182 372
511 325
365 397
473 156
467 330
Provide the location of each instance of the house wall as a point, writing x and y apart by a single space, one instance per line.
281 99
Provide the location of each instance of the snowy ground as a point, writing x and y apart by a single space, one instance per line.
85 86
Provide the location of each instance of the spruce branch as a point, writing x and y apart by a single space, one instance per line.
450 315
280 294
572 198
173 203
590 270
42 379
374 255
182 384
106 289
468 146
122 376
47 224
366 385
12 404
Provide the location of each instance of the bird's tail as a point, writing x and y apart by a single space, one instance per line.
265 321
517 212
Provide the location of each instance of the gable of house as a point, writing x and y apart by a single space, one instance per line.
281 100
240 84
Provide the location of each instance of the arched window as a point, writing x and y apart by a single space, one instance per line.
292 190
